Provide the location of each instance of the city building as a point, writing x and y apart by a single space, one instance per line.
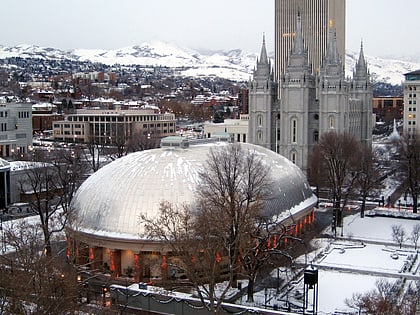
15 129
411 87
43 117
318 16
388 108
113 126
236 128
106 234
311 103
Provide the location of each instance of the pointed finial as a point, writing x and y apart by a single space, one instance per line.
298 45
263 55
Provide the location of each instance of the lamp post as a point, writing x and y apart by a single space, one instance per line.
104 291
3 244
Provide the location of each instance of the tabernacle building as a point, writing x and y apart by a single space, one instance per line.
106 234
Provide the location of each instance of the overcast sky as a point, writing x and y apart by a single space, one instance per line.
387 27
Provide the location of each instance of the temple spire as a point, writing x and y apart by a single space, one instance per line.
263 56
361 62
298 45
332 56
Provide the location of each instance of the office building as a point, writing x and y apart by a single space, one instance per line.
411 88
318 16
15 129
114 127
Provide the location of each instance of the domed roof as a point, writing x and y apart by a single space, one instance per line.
110 202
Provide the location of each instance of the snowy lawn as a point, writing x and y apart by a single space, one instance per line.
354 263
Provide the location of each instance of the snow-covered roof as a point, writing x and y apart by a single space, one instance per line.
4 164
111 200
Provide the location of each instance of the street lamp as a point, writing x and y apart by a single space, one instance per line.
3 244
104 291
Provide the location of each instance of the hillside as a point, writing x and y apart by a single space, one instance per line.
234 65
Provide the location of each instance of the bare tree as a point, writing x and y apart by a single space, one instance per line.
225 223
410 166
32 282
192 248
415 235
385 299
233 188
369 175
398 234
48 186
92 153
340 157
262 248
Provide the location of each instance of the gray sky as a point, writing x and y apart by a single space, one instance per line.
387 27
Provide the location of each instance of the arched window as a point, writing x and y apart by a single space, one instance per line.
293 157
331 122
316 135
260 120
259 136
294 130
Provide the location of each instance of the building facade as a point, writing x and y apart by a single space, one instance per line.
411 87
388 108
103 126
15 129
311 103
107 235
317 18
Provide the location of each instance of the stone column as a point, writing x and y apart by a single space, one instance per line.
137 268
115 263
164 266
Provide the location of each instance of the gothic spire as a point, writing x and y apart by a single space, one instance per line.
298 45
361 69
263 56
361 63
332 56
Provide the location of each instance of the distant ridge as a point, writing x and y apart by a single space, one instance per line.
234 64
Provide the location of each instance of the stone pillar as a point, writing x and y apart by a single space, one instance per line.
164 266
95 258
115 263
137 268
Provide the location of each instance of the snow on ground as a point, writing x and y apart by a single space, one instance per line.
354 263
334 287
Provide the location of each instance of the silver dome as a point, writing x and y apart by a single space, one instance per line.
110 202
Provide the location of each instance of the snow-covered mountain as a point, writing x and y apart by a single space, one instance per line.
381 69
234 64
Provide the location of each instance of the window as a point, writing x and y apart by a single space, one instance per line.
316 135
259 136
260 120
294 130
331 122
293 157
